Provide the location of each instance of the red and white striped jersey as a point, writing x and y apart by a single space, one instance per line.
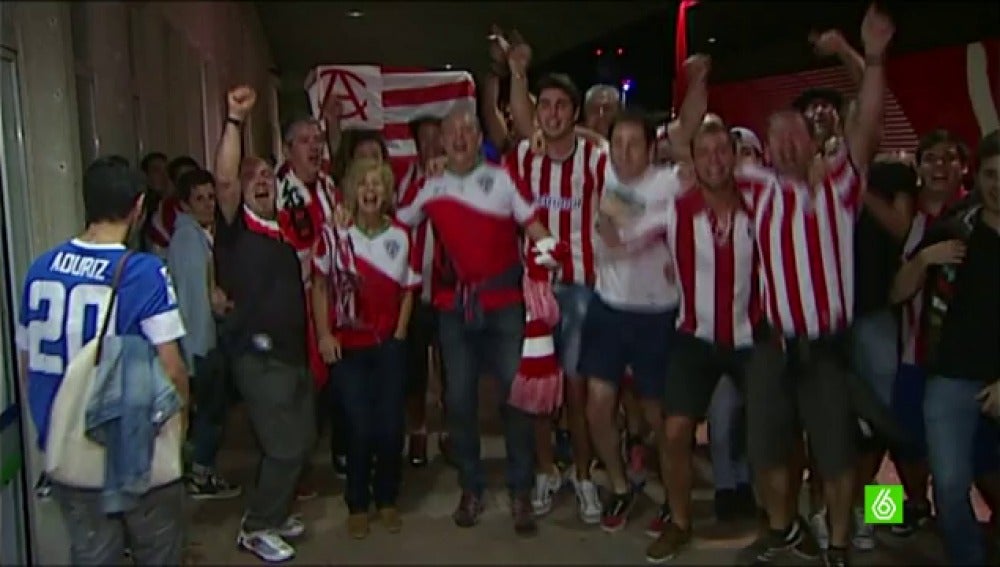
567 194
715 267
476 217
805 240
631 277
421 237
911 333
382 264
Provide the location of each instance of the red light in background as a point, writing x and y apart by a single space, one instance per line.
620 51
598 52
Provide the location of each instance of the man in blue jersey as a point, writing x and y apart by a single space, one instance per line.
65 292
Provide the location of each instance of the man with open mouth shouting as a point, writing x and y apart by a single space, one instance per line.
260 271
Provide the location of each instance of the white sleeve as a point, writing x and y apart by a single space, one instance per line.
163 327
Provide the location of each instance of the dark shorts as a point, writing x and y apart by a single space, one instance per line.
797 380
696 366
614 338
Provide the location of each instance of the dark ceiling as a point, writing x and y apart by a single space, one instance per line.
430 34
759 38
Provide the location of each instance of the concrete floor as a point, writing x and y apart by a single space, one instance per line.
429 536
429 495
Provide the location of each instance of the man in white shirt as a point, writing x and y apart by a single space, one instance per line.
630 320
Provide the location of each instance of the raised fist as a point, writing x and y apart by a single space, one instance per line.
241 100
518 54
498 44
877 30
697 67
499 47
830 42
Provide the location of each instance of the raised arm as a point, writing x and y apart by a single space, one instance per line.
493 122
693 108
230 150
330 115
831 43
863 129
522 110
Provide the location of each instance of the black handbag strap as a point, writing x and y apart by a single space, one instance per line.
115 281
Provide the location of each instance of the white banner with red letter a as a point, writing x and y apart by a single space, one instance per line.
388 98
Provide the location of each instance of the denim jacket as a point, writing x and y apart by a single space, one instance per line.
130 399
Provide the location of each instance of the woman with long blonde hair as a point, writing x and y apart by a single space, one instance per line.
362 299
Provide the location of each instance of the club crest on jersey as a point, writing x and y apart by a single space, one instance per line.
485 183
392 248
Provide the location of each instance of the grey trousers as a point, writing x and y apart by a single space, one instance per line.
154 530
280 401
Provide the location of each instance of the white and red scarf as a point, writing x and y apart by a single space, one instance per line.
273 229
538 386
344 279
302 210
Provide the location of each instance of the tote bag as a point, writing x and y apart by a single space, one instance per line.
73 459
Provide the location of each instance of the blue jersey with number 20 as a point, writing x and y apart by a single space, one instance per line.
66 291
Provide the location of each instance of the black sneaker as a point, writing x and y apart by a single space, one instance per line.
211 487
417 449
770 546
835 557
43 488
615 513
807 547
915 516
659 522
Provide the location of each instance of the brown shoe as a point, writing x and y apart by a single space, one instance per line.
357 526
672 541
524 518
391 520
417 449
470 507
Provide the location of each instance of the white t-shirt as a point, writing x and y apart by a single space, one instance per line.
632 277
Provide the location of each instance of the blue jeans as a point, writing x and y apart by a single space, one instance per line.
574 300
468 352
954 427
371 384
875 351
210 391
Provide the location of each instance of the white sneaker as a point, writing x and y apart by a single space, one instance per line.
546 486
266 544
293 527
820 530
863 538
589 501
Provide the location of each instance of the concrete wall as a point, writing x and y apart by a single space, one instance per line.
98 78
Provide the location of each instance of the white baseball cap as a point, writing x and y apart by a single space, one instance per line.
747 137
